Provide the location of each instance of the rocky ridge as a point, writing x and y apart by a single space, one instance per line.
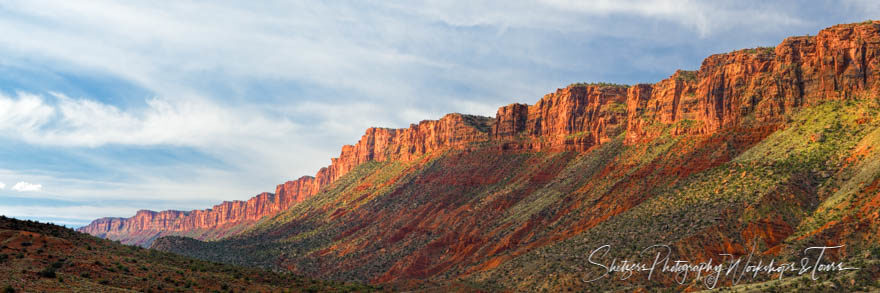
761 84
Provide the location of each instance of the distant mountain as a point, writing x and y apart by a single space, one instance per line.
770 150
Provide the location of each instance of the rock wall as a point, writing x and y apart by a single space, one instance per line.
760 85
377 144
573 118
382 144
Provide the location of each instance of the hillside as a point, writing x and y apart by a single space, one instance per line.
766 149
37 257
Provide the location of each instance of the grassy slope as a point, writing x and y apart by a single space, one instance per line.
41 257
525 220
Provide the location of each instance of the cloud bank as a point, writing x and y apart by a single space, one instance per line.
87 123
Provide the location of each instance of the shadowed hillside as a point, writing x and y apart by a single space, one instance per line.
37 257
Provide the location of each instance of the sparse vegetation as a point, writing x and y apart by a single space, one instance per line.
48 272
80 269
761 50
617 108
686 75
598 84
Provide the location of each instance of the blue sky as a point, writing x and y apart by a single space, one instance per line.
109 107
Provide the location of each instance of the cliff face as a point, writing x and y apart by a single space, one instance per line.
381 144
574 118
761 85
377 144
146 225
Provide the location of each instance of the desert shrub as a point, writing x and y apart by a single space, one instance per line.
764 50
598 84
48 272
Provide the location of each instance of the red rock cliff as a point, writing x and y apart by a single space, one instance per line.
573 118
763 84
381 144
377 144
144 225
760 84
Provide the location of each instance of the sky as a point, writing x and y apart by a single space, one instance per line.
108 107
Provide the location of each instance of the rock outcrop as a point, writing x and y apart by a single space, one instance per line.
573 118
759 85
382 144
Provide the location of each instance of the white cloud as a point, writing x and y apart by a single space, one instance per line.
27 113
2 185
83 122
25 186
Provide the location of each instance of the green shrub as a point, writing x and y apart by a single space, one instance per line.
687 75
598 84
48 272
766 50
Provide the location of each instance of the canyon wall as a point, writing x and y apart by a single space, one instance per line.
762 84
759 85
382 144
377 144
573 118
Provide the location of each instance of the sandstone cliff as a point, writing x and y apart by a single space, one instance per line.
763 84
760 85
377 144
573 118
